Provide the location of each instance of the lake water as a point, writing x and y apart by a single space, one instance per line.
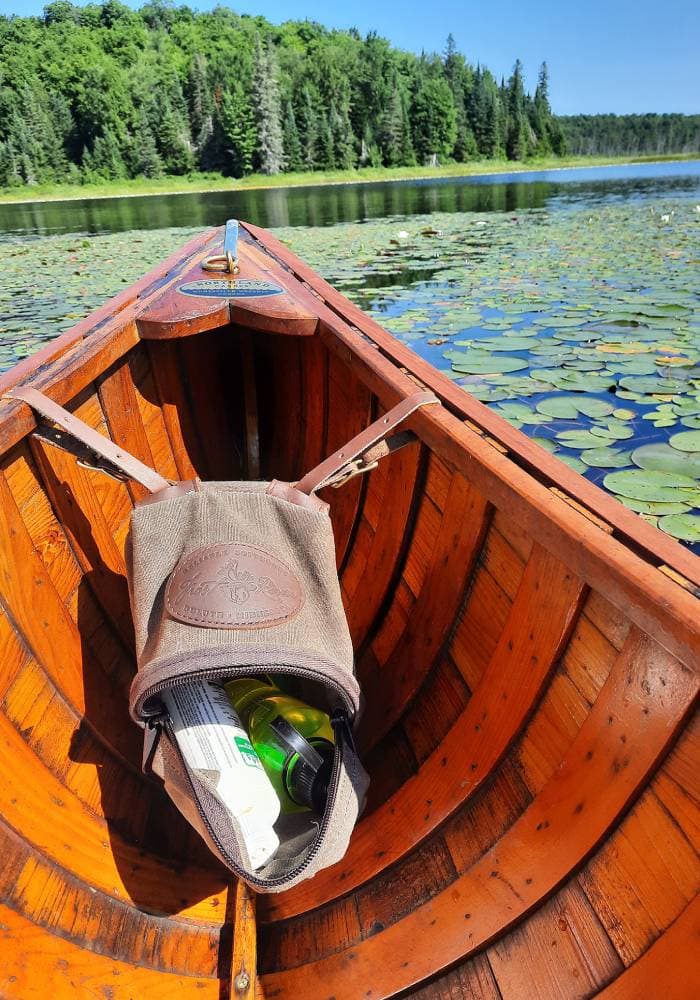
567 301
324 206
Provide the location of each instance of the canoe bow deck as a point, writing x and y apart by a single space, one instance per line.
528 649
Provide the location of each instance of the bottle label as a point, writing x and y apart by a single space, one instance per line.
247 753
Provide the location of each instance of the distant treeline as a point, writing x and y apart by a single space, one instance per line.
633 135
106 92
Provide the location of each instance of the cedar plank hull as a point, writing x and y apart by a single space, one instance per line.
528 649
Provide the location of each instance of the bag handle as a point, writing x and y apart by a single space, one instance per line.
357 456
366 448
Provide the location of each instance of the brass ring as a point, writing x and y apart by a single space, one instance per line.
222 262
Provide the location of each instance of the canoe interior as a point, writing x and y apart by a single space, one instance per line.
532 825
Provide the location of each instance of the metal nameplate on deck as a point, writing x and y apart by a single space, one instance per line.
229 288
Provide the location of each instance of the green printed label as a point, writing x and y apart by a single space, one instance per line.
247 753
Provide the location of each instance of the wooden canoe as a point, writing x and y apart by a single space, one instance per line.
528 650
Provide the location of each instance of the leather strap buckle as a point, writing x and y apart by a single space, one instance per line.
355 468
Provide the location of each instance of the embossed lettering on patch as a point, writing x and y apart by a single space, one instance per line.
233 585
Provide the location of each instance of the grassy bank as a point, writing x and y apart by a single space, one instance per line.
193 183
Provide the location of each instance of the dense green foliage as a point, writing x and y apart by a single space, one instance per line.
636 135
103 92
106 92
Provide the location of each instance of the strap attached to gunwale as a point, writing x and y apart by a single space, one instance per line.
97 443
357 456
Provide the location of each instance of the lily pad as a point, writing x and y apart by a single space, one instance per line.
651 386
659 457
563 407
606 458
686 441
684 526
655 509
664 487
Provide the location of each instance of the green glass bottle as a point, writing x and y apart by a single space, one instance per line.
294 741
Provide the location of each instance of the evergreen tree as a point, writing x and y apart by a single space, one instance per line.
200 102
343 139
145 160
269 157
434 120
238 128
391 135
291 140
309 127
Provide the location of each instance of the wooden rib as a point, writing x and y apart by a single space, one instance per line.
389 690
83 844
670 967
151 413
48 629
382 565
349 412
473 981
280 404
82 516
52 898
250 407
209 392
537 629
644 700
121 409
314 405
175 407
34 963
561 951
244 975
642 877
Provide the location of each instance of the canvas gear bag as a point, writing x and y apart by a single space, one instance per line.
233 579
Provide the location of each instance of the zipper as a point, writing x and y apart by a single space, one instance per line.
341 727
216 672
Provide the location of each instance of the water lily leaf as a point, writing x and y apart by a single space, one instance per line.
574 463
684 526
595 407
563 407
612 431
660 457
651 386
578 439
504 343
621 414
685 441
665 487
478 364
606 458
649 507
693 422
546 443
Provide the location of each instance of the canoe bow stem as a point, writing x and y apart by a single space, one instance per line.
228 260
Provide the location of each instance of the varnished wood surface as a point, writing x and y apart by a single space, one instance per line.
530 674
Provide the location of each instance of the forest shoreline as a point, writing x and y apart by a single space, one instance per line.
202 184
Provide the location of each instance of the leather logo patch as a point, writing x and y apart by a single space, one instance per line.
233 585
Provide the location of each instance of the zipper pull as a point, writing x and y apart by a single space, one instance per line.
152 733
341 726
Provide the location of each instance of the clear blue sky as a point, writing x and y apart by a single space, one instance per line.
603 55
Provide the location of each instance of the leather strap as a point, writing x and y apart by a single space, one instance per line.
362 454
95 442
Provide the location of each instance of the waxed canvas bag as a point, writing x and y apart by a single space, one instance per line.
234 578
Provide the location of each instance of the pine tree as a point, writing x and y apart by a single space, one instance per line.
238 129
145 161
309 126
269 156
434 120
324 157
174 143
391 137
201 105
291 140
343 139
